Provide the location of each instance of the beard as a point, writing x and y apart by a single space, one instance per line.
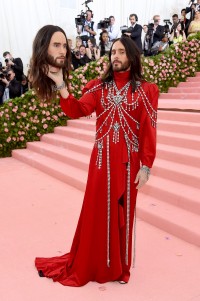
55 63
120 67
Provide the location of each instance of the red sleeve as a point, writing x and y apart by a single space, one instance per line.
85 106
147 132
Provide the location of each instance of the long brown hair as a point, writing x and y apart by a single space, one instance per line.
133 55
38 63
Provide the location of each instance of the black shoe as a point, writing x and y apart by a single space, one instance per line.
41 273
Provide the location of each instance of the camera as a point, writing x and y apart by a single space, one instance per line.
103 24
4 75
166 26
124 29
80 19
77 53
6 60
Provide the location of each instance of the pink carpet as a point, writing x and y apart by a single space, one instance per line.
41 198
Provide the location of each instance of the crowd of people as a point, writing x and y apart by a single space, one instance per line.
151 39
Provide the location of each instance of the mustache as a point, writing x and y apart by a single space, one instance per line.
53 61
116 61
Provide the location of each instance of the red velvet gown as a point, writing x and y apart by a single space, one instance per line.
125 138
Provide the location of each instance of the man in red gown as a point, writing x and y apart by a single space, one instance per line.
123 153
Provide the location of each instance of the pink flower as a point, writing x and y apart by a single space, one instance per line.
55 117
45 126
8 139
21 138
6 130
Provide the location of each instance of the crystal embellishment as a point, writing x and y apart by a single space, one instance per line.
117 99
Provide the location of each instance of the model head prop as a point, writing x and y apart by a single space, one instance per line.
50 53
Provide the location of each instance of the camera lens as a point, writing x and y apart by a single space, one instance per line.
6 60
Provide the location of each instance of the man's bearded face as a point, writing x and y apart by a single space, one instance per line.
119 58
57 50
58 62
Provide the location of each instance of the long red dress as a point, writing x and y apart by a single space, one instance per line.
125 138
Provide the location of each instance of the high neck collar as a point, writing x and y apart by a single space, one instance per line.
122 76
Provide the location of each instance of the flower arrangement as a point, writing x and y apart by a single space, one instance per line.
26 118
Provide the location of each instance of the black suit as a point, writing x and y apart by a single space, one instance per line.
14 88
158 34
2 89
136 33
185 25
18 68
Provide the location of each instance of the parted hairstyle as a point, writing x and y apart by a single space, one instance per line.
42 84
133 55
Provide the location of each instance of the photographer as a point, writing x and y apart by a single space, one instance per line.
135 31
160 46
86 29
15 64
178 35
11 85
158 29
175 21
81 56
192 9
154 35
113 30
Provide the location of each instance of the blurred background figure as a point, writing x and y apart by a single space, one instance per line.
15 64
92 50
104 44
113 30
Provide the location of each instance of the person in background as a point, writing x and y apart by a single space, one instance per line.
135 31
113 30
158 31
175 21
75 54
12 86
24 84
177 35
104 44
87 29
83 59
92 50
160 46
194 25
184 21
16 64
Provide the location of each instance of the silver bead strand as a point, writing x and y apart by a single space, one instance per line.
108 202
128 204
